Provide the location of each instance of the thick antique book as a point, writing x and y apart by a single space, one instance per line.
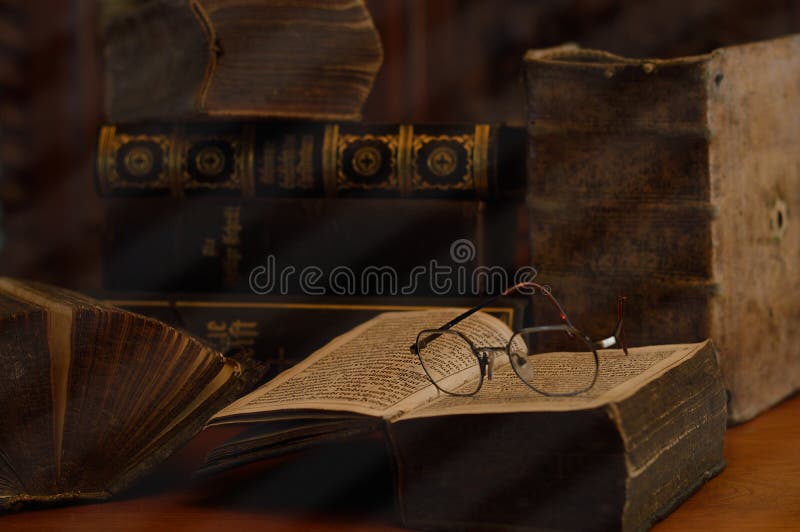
173 59
676 182
618 456
95 396
205 204
309 159
270 246
282 330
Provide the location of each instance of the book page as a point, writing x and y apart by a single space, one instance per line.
370 370
618 376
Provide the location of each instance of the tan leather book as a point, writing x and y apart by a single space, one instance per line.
675 182
173 59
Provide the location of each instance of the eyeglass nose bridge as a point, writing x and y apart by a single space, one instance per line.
486 357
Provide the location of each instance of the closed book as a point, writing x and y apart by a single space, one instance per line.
315 246
282 330
312 160
618 456
197 207
675 182
171 59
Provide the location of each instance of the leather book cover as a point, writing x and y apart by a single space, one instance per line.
676 183
311 159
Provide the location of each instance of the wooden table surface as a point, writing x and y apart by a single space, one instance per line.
758 490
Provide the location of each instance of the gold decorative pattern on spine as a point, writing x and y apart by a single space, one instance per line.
405 171
247 161
480 157
447 162
365 167
176 161
105 158
330 145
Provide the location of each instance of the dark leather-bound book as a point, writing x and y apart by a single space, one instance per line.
308 160
205 204
282 330
218 245
173 59
94 396
618 456
676 182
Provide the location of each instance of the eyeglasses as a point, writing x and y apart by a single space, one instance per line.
553 360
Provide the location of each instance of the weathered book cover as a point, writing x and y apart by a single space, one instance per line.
173 59
675 182
284 159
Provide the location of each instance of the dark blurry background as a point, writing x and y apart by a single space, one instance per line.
444 61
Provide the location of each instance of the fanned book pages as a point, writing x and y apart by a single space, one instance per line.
676 181
618 456
94 396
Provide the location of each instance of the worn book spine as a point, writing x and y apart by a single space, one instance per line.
174 59
619 466
471 161
672 182
619 193
216 245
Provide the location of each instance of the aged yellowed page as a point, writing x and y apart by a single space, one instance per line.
370 370
619 375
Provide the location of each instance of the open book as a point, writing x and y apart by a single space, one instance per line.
646 435
94 397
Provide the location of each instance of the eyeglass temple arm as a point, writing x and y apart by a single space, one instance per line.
452 323
473 310
618 338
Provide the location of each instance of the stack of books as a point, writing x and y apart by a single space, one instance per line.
212 195
236 161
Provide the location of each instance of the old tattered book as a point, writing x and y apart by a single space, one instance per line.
618 456
94 396
177 59
678 182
